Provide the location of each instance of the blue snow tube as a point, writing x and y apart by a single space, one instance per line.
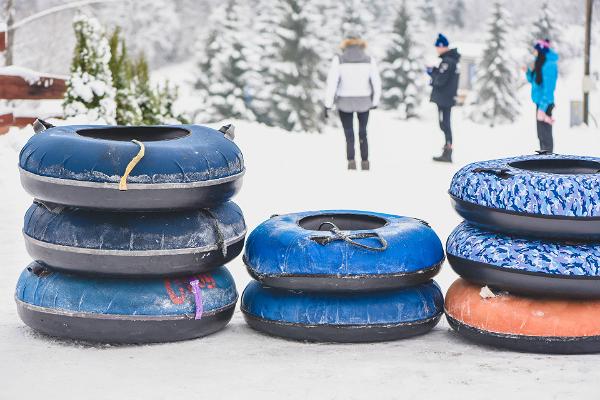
343 251
343 317
546 195
532 267
113 310
183 166
134 243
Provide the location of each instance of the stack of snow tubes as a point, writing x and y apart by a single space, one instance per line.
343 276
528 253
129 230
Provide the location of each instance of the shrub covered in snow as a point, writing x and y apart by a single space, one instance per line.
90 88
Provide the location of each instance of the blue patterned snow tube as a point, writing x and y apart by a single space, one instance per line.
125 310
343 317
540 195
184 166
134 243
343 251
540 267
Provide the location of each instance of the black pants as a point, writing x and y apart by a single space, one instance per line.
544 131
445 124
348 125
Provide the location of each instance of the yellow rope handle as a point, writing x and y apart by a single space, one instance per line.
134 161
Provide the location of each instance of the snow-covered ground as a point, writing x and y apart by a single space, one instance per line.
286 173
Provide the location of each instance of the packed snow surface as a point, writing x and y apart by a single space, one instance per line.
289 173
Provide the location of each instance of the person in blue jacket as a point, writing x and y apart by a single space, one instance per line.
543 75
444 82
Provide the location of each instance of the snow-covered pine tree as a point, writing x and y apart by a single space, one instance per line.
545 27
128 111
454 15
495 87
145 95
262 53
402 68
352 19
151 27
155 103
90 90
226 67
428 12
297 81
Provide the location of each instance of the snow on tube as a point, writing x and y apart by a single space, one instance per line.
343 251
134 243
547 195
343 317
533 267
183 166
541 325
112 310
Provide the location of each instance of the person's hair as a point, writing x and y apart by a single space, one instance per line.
537 69
353 42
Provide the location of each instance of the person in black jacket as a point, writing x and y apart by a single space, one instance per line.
444 80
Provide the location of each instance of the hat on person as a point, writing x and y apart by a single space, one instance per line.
542 45
441 41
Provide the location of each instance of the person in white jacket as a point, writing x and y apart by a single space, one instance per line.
354 86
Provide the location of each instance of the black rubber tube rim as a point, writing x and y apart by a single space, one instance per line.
341 333
346 283
116 265
526 282
527 224
527 344
130 330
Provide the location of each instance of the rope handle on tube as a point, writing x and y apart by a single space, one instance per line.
501 173
134 161
338 235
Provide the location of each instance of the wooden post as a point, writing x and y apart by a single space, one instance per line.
9 37
2 41
589 5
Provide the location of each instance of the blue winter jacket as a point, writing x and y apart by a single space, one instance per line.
543 95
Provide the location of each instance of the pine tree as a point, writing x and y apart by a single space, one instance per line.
455 14
402 68
545 27
144 93
495 85
295 73
352 19
428 12
90 90
225 66
261 56
128 111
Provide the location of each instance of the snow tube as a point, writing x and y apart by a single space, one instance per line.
185 166
114 310
343 251
547 195
343 317
134 243
533 267
523 324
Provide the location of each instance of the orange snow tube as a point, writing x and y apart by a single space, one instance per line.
538 325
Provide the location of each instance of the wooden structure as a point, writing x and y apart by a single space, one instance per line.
2 41
14 87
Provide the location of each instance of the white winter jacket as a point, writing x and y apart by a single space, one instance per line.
353 83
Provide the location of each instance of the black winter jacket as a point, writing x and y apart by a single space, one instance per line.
444 79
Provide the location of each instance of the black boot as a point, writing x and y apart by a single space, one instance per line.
351 164
446 155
